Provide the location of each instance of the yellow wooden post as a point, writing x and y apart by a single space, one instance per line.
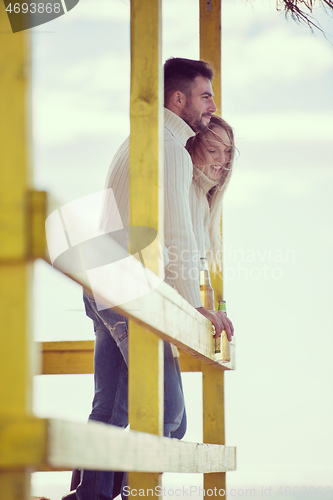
210 42
15 271
15 485
210 50
213 421
213 379
146 209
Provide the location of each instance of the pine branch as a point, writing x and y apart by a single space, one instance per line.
301 10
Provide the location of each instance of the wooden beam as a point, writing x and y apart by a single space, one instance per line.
71 357
146 125
210 50
61 445
174 319
213 380
210 42
23 442
15 485
15 271
101 446
189 363
213 419
68 346
67 357
17 360
36 215
145 382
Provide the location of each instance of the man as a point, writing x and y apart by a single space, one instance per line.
189 105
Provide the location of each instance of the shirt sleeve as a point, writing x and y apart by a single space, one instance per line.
200 214
182 271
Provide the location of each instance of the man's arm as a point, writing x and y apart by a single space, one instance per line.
220 321
183 268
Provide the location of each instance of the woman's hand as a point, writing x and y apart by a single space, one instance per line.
220 321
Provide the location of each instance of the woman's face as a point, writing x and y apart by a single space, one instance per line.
214 154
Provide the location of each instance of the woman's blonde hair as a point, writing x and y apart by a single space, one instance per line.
195 145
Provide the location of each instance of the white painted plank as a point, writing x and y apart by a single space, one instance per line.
162 310
100 446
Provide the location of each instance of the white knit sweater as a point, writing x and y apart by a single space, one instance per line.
200 210
185 230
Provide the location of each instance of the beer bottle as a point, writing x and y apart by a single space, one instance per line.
206 290
207 295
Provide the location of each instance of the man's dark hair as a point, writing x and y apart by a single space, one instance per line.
179 74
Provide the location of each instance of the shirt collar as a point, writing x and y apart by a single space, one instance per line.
203 181
177 127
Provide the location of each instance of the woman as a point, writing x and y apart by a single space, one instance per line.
212 154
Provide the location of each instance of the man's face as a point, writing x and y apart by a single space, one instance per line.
200 105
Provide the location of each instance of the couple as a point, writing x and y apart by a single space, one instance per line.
198 156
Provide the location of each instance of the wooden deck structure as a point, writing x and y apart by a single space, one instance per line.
28 443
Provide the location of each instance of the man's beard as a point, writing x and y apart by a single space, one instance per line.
193 119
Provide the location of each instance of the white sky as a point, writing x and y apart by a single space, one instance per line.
277 94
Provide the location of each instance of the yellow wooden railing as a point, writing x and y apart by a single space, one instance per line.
26 442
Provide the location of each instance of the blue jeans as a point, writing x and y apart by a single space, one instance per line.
110 404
